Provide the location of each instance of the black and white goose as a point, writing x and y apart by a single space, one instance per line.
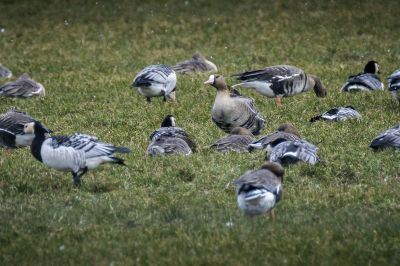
170 139
338 114
394 84
259 191
294 151
156 80
76 153
5 72
284 132
12 129
197 64
389 138
365 81
280 81
237 141
232 110
23 87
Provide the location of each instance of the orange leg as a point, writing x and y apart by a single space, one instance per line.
272 214
278 101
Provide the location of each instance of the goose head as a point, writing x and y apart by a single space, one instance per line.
372 67
36 128
241 131
217 81
198 57
275 168
289 128
317 85
169 121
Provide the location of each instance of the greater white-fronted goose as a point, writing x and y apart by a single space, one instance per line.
389 138
280 81
76 153
23 87
156 80
197 64
365 81
394 84
232 110
260 190
5 72
338 114
237 141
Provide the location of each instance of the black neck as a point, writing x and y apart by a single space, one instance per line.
36 145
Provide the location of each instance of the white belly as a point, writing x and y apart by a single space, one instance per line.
151 91
261 87
257 205
24 140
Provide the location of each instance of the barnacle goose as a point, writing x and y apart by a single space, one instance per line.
394 84
388 138
338 114
365 81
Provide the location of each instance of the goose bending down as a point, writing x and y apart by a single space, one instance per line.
12 129
280 81
365 81
169 139
156 80
394 84
259 191
238 141
197 64
23 87
232 110
285 132
293 151
5 72
76 153
338 114
388 138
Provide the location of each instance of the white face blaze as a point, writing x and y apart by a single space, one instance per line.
376 68
29 128
173 123
210 80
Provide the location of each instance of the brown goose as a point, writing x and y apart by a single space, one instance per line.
232 110
238 141
197 64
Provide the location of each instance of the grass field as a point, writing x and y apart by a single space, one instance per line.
181 210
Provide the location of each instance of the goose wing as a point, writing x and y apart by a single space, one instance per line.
293 151
388 138
271 74
14 121
22 87
273 139
190 66
173 132
394 75
261 178
237 143
168 146
5 72
161 74
369 80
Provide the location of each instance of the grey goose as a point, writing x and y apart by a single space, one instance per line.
197 64
280 81
293 151
232 110
394 84
12 133
76 153
389 138
259 191
156 81
5 72
23 87
338 114
365 81
237 141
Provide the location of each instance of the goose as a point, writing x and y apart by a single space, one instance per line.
259 191
156 80
5 72
170 139
394 84
365 81
12 134
280 81
338 114
293 151
76 153
388 138
23 87
232 110
197 64
238 141
284 132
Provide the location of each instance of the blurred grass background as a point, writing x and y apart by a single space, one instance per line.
180 210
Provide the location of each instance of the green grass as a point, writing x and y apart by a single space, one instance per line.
179 210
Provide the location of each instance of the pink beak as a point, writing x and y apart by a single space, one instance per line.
210 80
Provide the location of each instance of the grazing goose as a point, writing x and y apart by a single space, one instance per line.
238 141
293 151
285 132
394 84
280 81
12 129
156 80
197 64
23 87
169 139
232 110
365 81
76 153
338 114
5 72
388 138
260 190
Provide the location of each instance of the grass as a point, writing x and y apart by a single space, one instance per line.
179 210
